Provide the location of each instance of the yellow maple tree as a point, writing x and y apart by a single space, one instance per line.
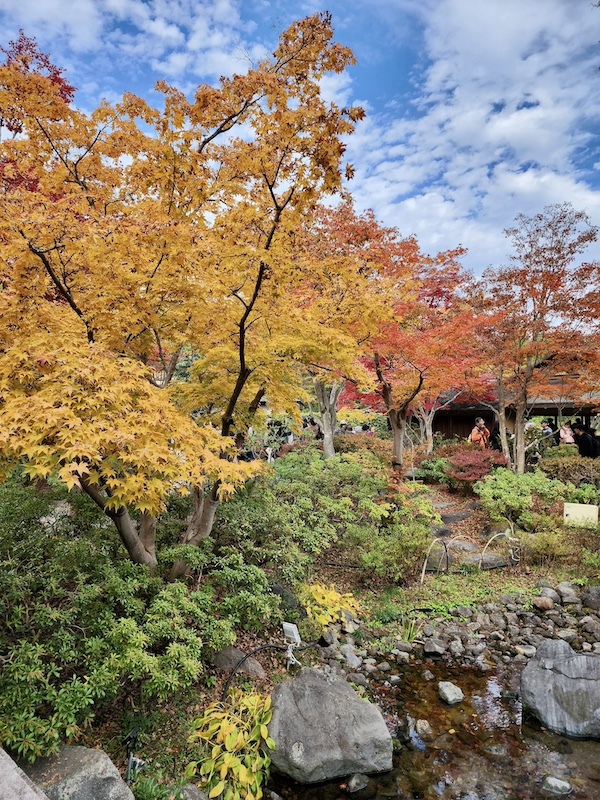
130 234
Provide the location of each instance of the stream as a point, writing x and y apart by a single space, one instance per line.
480 749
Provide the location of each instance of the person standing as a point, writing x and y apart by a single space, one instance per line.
480 435
495 442
547 435
566 433
584 440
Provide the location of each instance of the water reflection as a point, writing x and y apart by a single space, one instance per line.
478 750
494 709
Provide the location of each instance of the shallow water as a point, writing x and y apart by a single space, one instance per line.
481 749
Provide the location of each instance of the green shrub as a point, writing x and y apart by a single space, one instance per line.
78 621
563 464
394 541
306 504
548 544
433 470
584 493
522 500
247 600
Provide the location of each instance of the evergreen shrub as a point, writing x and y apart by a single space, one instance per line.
79 621
307 504
526 501
566 465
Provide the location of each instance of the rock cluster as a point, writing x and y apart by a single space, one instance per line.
508 631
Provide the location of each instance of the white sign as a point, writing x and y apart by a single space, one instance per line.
580 514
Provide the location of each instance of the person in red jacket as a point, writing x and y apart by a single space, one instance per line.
480 436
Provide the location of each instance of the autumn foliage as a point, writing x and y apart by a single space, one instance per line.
133 234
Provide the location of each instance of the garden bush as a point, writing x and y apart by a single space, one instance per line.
79 621
393 543
565 465
287 518
467 466
525 501
433 470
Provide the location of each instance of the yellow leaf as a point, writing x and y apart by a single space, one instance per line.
217 790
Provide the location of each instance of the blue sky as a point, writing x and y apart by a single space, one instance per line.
477 110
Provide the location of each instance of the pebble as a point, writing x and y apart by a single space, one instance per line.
555 786
450 693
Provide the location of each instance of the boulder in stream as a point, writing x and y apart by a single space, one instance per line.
322 729
562 689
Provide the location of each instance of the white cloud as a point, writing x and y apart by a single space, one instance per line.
503 118
79 20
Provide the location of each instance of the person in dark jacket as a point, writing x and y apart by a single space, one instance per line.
584 440
495 442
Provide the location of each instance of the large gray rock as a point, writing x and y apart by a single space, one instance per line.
79 773
15 784
562 689
591 598
322 729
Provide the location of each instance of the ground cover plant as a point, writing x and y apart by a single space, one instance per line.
286 518
89 639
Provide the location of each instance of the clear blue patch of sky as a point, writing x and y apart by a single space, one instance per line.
385 43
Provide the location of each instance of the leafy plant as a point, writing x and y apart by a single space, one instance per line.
78 623
325 605
394 544
584 493
307 504
149 787
433 470
234 739
522 500
468 466
247 600
564 464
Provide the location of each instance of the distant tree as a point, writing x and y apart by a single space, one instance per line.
538 308
362 265
422 346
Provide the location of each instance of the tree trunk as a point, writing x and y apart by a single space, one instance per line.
398 424
501 416
130 536
428 425
327 398
200 525
148 534
520 410
140 544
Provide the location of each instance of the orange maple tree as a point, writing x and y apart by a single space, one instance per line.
421 350
540 314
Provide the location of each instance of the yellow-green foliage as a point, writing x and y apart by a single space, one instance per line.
324 604
233 739
358 416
